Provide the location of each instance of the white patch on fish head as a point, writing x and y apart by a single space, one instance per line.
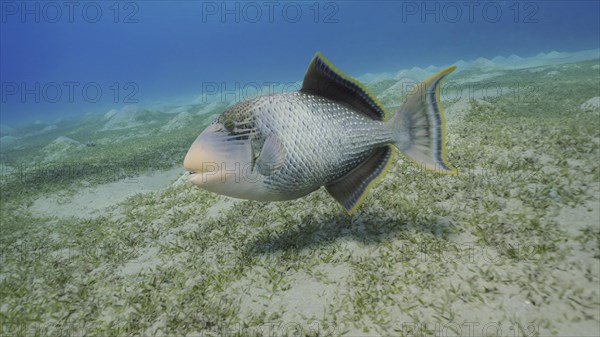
221 159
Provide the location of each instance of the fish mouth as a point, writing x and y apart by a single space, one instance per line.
196 178
215 152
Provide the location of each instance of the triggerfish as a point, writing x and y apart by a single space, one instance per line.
333 132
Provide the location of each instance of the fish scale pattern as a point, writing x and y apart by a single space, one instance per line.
322 140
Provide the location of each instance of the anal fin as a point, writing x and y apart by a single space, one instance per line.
351 189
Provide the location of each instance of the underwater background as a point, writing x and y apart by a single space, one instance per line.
101 234
169 50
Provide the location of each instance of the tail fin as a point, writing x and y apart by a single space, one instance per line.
419 127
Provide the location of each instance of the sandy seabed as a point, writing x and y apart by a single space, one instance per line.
508 247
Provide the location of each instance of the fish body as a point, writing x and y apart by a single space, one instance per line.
331 133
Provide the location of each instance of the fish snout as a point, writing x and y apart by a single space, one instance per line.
217 158
203 156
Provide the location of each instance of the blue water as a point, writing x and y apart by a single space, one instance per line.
155 52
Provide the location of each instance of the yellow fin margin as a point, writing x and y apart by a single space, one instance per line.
346 77
365 193
426 83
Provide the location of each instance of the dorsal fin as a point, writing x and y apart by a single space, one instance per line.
323 79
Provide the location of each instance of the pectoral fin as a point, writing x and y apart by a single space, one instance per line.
351 189
271 156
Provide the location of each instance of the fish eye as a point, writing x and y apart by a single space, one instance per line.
229 125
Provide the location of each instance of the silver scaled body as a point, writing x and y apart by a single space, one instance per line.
322 140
